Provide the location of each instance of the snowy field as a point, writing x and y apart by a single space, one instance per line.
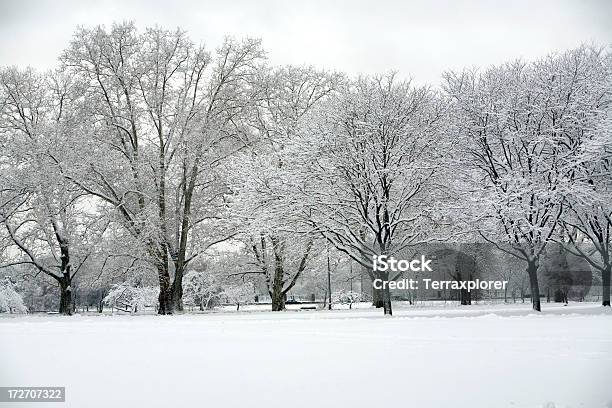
479 356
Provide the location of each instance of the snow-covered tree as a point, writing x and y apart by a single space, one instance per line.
265 183
48 223
162 114
346 297
588 220
239 293
10 299
130 298
374 169
517 125
202 288
507 268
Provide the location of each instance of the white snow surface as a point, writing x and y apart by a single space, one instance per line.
477 356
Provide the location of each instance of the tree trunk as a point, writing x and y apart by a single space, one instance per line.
377 298
65 307
165 291
462 292
278 300
165 301
180 263
65 279
532 271
386 299
605 290
177 288
276 290
465 297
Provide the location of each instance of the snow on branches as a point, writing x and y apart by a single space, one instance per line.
10 300
132 299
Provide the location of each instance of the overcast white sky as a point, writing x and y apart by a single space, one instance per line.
417 38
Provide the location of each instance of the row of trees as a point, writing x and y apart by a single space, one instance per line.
142 154
536 152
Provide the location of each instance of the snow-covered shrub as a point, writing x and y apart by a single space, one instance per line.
239 293
202 289
346 297
10 300
130 298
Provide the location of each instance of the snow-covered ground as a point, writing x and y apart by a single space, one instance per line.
480 356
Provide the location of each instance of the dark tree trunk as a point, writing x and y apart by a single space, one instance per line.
180 263
377 298
386 295
278 300
165 291
65 306
278 284
177 288
65 279
464 266
165 302
467 297
605 290
276 291
532 271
